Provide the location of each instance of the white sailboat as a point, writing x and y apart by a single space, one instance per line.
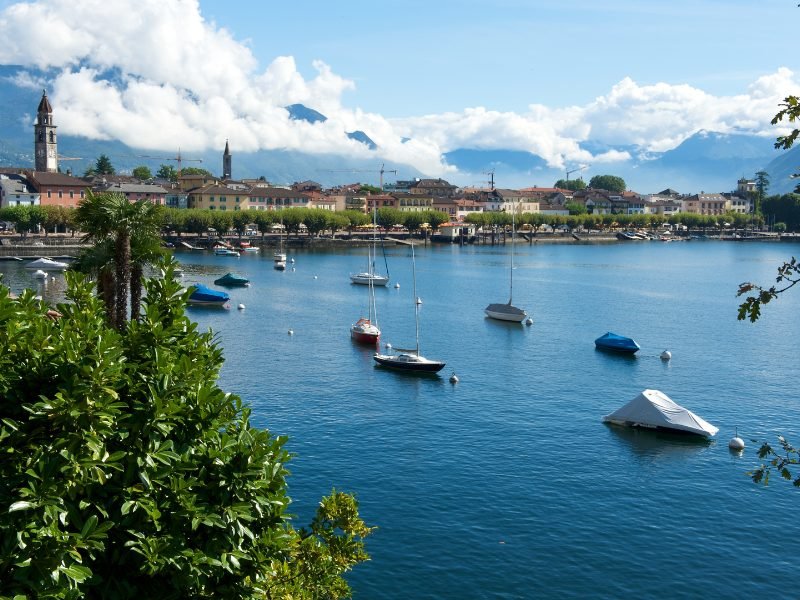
370 276
507 311
411 360
280 256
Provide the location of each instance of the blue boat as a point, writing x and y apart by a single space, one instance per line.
617 343
203 296
232 280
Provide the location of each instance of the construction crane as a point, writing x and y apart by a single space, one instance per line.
382 170
491 179
576 169
177 158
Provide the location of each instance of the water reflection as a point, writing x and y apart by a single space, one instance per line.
656 443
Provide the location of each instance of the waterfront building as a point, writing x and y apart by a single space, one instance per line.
15 191
414 202
137 191
57 189
378 201
215 196
457 209
705 204
275 198
432 187
661 205
45 143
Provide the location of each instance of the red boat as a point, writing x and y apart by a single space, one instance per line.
365 331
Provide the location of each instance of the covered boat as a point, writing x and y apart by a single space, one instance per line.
617 343
46 264
232 280
204 296
653 409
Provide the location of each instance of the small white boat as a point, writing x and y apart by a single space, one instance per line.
47 264
225 252
369 279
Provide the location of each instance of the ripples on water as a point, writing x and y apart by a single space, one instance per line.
507 485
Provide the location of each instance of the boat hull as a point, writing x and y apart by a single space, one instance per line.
409 362
364 279
505 312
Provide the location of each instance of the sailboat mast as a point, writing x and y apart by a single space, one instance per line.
416 304
511 276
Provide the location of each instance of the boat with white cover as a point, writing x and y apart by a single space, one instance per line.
47 264
653 409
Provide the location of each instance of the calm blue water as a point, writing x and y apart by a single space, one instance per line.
507 485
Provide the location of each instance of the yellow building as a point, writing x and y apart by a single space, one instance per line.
218 197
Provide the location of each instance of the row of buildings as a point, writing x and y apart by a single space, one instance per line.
46 185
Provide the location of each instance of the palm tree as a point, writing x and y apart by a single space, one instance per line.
129 228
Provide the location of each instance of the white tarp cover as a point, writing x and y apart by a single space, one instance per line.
652 408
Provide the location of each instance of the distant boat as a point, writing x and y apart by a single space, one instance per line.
279 257
221 251
653 409
46 264
410 360
371 276
232 280
508 312
617 343
204 296
366 330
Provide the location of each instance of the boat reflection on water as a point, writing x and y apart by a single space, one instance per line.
657 444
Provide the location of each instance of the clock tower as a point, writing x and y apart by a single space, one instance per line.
44 144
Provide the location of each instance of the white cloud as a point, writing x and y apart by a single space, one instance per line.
156 75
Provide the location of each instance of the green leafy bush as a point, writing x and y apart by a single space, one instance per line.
125 471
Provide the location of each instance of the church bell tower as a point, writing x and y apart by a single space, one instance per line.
46 151
226 162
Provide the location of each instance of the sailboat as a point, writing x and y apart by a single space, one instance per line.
370 277
508 312
410 360
280 256
366 330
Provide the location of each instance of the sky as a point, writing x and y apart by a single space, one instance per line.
420 78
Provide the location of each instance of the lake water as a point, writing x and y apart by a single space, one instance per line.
507 484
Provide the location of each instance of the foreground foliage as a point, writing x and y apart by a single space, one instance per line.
781 462
125 471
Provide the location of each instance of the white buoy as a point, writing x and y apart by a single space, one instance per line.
240 307
454 378
290 332
419 300
666 355
53 278
388 346
292 268
736 442
315 276
291 260
397 286
39 274
528 321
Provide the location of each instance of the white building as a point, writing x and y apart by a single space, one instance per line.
15 191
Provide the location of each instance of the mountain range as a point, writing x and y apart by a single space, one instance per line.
705 162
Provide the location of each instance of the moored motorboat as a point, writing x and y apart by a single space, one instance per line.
220 251
205 296
365 331
232 280
616 343
653 409
47 264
